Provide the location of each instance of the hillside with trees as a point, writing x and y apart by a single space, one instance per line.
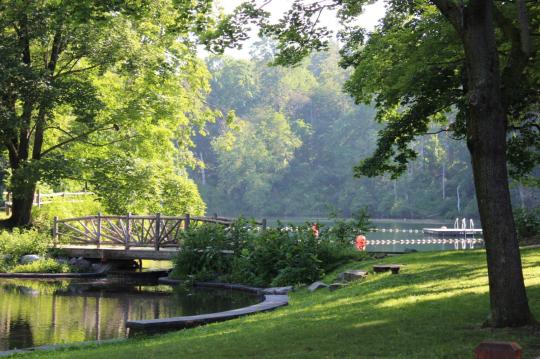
290 145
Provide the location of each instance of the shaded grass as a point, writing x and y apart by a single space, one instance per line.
434 309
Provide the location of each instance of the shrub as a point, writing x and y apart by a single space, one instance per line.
17 243
47 265
527 222
201 253
345 231
276 256
42 218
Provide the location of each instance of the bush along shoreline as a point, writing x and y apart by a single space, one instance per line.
283 255
30 251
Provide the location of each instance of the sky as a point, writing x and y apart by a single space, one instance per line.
371 16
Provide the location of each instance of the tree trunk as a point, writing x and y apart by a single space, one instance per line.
21 215
486 139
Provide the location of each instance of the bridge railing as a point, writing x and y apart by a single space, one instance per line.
155 231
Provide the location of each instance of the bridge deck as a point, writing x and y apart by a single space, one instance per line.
119 253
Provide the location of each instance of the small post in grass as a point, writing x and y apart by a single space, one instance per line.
497 350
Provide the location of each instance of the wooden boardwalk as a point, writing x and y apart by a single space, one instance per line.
116 237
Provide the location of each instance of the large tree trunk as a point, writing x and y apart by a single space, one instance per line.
486 139
21 215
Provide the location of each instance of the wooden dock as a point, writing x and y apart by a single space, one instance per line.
452 232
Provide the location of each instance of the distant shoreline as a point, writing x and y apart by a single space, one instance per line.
373 220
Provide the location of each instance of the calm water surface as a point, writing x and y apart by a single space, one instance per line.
407 235
35 312
390 235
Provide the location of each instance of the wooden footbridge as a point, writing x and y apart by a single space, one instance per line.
114 237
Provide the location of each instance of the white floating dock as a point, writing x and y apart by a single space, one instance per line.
452 231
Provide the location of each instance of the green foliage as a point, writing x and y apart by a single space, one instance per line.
409 74
201 253
413 68
254 156
250 169
527 222
47 265
272 257
345 231
17 243
104 93
42 217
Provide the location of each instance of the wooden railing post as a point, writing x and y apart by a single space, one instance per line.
7 203
98 229
128 230
157 231
55 231
215 217
187 221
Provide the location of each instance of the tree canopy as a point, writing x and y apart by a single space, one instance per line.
101 92
426 61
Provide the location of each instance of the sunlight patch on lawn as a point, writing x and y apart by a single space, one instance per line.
369 324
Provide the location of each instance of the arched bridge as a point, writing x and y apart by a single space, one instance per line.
127 237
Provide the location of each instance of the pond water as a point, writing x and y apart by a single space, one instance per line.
407 235
38 312
391 235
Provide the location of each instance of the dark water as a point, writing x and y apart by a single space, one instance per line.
34 312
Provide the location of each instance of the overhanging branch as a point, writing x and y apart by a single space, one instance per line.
74 138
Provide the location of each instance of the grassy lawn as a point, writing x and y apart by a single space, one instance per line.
434 309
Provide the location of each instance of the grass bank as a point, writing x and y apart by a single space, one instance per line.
434 309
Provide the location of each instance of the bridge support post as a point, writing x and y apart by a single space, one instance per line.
98 229
55 231
186 221
128 231
157 232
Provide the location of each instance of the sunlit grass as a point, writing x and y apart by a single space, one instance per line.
433 309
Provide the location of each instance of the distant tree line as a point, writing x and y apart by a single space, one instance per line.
291 144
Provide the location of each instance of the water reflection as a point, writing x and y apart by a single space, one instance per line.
34 313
